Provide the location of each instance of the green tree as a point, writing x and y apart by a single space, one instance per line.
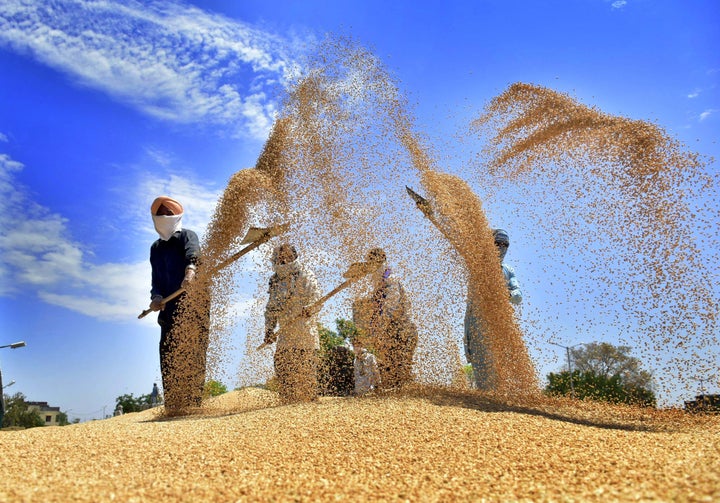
468 371
335 360
214 388
604 372
131 403
607 360
346 329
18 413
328 338
62 419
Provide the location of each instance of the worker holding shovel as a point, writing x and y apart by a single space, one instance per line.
174 258
477 350
294 304
384 318
184 335
293 287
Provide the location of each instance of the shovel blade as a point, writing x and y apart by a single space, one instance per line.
255 234
359 269
420 201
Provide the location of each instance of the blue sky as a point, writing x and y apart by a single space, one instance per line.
107 104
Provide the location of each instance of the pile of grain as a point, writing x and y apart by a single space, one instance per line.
425 445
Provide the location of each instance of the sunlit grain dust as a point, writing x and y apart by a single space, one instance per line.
619 204
335 167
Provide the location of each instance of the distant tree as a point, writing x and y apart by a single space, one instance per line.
62 419
18 413
335 372
604 372
468 371
346 329
607 360
328 338
214 388
131 403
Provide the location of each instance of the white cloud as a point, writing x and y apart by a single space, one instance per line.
3 138
618 4
40 257
169 60
707 113
694 94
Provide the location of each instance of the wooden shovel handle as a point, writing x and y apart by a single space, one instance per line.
163 302
318 303
222 265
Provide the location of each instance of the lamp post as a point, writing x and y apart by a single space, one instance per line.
702 381
570 371
14 345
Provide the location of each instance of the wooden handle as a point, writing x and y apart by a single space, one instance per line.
223 264
242 252
163 302
318 304
264 238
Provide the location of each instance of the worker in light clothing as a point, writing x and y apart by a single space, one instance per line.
292 288
384 319
174 258
476 348
365 372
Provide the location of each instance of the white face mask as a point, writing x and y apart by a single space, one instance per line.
167 225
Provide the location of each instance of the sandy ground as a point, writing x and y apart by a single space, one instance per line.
423 445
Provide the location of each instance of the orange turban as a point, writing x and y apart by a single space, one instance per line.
168 202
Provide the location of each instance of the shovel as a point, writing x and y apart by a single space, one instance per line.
355 272
424 206
255 237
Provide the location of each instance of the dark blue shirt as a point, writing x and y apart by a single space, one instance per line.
169 260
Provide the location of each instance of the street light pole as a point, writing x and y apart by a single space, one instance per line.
14 345
570 370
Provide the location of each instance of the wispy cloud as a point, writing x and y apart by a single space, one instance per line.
169 60
3 138
707 113
618 4
40 256
694 94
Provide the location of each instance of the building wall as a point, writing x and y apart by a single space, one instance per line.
48 414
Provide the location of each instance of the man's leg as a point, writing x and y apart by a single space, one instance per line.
477 353
165 367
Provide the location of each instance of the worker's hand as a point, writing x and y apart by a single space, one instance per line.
156 303
189 277
269 336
